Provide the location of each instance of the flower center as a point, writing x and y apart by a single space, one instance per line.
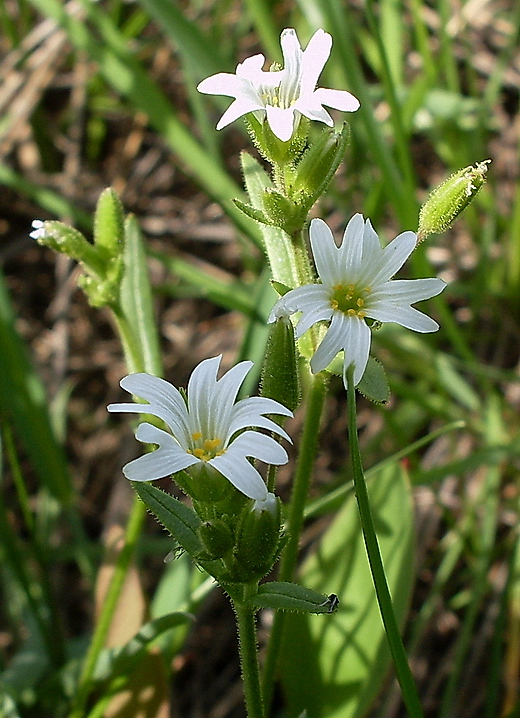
350 300
205 449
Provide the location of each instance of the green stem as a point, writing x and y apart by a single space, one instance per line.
302 478
97 644
249 659
131 348
402 669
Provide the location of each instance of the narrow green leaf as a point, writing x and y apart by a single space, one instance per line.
281 595
334 668
181 521
136 298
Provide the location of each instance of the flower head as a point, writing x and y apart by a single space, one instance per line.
281 95
355 286
205 427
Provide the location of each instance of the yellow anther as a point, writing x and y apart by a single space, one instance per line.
360 302
334 304
351 312
196 435
199 453
211 444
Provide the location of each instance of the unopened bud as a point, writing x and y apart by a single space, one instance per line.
109 220
258 539
450 198
280 368
216 537
67 240
318 165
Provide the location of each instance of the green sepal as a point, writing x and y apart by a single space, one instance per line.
283 596
272 149
282 289
318 165
252 212
257 542
374 385
109 221
280 376
283 212
450 198
179 520
216 537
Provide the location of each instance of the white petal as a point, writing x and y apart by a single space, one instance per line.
324 251
166 402
223 83
338 99
292 58
224 396
241 474
357 349
164 461
314 58
351 250
238 108
259 446
408 291
200 391
394 256
321 312
281 121
405 316
332 343
309 107
248 413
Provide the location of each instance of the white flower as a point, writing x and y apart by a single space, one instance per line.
204 428
355 285
38 229
282 95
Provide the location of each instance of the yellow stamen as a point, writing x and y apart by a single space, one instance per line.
196 435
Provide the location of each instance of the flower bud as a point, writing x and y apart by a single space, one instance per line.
67 240
216 538
450 198
318 165
280 368
258 539
109 220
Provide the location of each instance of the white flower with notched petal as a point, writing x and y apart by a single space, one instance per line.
282 95
204 428
355 285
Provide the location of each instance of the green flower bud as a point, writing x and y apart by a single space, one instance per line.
280 369
216 537
258 540
109 220
450 198
318 165
68 240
